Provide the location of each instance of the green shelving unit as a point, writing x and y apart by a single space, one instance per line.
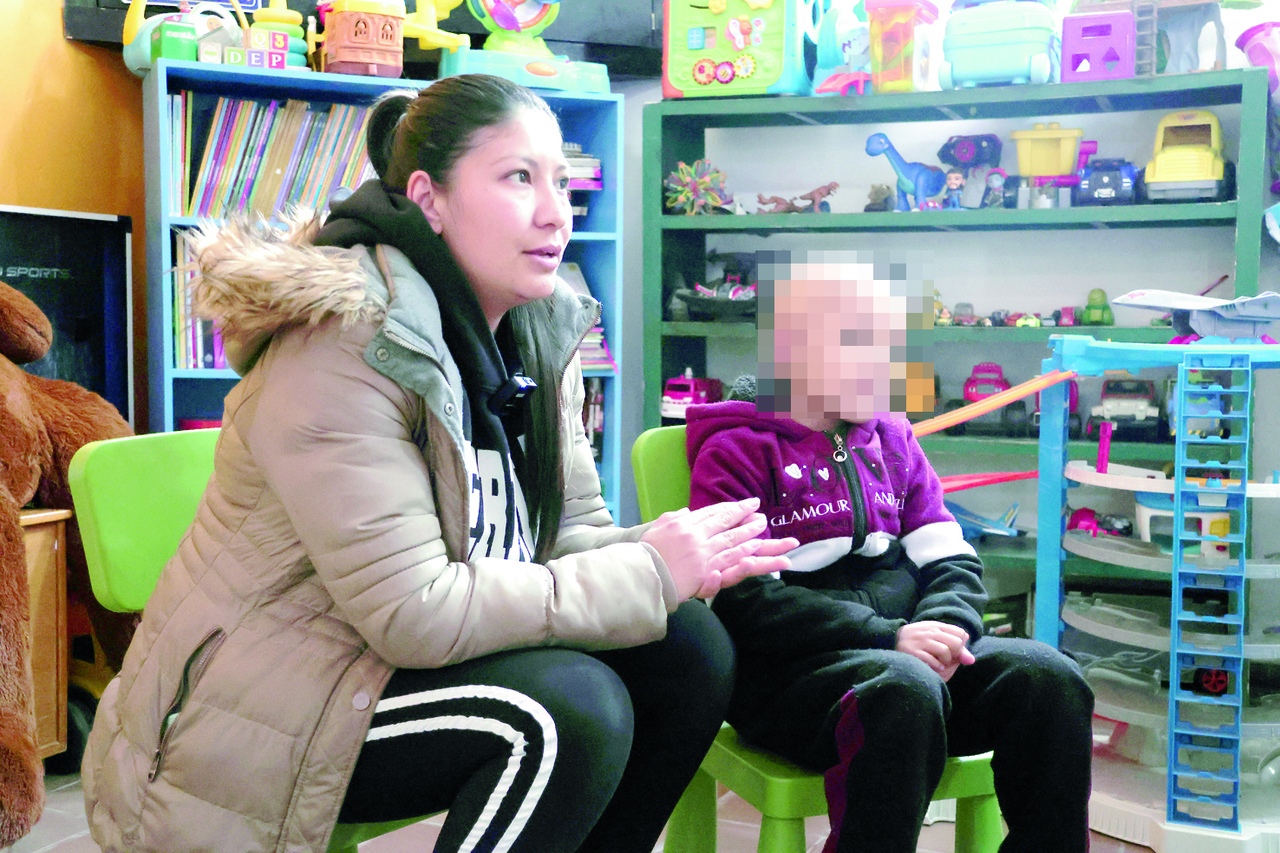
676 131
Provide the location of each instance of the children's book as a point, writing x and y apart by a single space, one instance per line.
253 173
297 191
347 148
239 156
343 115
277 159
222 156
306 125
205 168
320 159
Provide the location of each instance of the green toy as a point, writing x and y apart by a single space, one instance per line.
1097 312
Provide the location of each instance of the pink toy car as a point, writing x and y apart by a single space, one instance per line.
681 392
987 378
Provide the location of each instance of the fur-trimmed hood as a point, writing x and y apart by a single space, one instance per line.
253 279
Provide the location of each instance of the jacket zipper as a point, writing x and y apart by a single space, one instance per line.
410 347
568 361
841 456
190 674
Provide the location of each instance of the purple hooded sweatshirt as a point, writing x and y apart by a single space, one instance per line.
878 548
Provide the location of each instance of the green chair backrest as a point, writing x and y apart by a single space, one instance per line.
661 469
134 499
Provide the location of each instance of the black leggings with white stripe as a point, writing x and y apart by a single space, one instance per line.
546 750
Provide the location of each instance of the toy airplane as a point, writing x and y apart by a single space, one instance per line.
1245 318
976 527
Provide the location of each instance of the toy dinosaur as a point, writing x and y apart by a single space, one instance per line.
917 180
815 198
780 204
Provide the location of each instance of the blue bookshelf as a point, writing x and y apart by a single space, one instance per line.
594 120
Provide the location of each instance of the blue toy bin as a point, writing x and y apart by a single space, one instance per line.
999 43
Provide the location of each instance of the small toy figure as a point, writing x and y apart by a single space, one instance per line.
941 314
995 188
955 187
1097 312
880 199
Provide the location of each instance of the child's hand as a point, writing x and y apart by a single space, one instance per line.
943 647
716 546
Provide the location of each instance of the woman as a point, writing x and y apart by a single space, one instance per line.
402 592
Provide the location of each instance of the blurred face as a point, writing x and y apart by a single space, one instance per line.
505 213
850 336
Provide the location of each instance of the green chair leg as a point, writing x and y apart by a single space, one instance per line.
348 836
979 827
692 827
781 835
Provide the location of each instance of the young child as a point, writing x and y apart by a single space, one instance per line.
866 659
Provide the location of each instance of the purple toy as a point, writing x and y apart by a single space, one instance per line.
1098 46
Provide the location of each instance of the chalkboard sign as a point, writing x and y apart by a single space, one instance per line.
76 268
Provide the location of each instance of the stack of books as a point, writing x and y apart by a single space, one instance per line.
197 343
263 157
594 352
584 174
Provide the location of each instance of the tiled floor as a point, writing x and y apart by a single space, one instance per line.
62 829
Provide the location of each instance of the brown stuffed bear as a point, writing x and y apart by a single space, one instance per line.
43 422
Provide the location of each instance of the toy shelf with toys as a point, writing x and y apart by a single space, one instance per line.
183 395
1187 711
823 137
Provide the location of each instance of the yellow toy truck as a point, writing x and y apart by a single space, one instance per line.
1187 164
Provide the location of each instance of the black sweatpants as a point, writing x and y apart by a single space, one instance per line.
881 724
546 750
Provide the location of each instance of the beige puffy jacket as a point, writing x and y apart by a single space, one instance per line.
326 552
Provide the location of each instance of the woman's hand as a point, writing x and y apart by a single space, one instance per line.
941 646
716 546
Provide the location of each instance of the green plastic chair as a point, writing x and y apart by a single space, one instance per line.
134 499
783 793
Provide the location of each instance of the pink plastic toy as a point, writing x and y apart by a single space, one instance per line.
1104 446
1261 46
1098 46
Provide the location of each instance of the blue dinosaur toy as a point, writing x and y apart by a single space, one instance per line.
917 180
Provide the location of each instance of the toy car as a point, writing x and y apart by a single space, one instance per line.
1105 181
1187 162
681 392
964 316
1127 402
1089 521
986 379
